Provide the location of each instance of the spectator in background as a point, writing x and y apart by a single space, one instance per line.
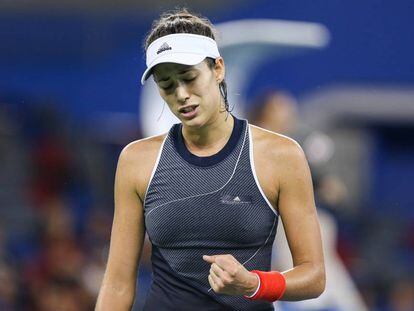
402 296
278 111
8 287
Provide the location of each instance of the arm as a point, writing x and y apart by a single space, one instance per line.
289 181
306 279
118 287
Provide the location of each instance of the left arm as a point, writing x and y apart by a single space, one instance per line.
296 207
306 279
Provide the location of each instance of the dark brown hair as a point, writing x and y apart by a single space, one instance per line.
183 21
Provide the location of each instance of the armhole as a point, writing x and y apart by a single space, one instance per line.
251 155
155 168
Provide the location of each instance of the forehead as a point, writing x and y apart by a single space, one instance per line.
165 70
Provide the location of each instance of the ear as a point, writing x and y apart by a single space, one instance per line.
219 69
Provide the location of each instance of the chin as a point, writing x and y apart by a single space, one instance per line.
196 122
193 123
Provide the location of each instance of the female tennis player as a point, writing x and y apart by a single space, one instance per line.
209 193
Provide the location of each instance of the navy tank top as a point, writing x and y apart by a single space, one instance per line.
197 206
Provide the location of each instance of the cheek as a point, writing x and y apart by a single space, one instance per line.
166 97
207 89
168 100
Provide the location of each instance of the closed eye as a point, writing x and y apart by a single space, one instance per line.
189 79
166 87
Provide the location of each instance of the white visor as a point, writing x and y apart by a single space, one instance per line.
180 48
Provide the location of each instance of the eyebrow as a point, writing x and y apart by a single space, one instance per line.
180 72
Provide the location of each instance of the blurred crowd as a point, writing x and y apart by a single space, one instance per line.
56 210
56 199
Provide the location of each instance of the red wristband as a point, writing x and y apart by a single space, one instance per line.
272 286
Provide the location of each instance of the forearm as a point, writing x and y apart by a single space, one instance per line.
115 298
305 281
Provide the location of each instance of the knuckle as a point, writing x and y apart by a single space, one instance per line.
219 260
227 280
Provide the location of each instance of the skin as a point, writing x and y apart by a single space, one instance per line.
182 86
286 183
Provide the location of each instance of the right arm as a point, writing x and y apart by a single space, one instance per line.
127 237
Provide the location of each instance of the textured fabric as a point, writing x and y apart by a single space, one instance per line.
194 210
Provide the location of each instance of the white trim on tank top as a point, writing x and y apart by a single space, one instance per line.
155 167
254 172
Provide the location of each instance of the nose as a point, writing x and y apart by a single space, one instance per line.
181 92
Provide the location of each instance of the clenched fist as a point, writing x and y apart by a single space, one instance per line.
230 277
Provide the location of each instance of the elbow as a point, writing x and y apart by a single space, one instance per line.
320 283
115 298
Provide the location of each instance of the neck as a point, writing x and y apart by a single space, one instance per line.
210 138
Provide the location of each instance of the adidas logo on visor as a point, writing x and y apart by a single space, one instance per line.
164 47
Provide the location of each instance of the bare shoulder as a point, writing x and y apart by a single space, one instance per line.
138 160
277 159
276 147
142 149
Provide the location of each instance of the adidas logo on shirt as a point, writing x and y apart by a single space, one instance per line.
236 199
164 47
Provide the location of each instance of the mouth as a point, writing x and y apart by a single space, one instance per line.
187 109
188 112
